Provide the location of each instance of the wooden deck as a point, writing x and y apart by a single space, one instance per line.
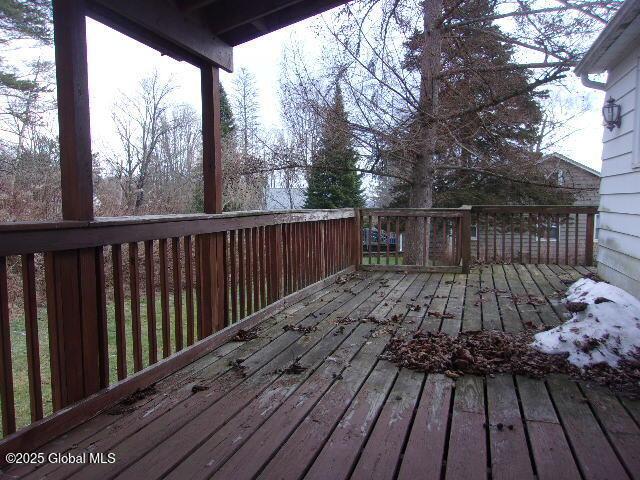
247 411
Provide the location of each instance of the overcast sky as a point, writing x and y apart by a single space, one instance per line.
116 63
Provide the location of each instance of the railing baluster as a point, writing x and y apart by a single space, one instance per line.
263 271
118 295
199 286
134 287
511 238
575 253
177 293
495 238
151 301
566 238
31 331
548 235
397 245
538 237
557 222
6 372
103 330
256 269
504 237
164 298
379 227
520 227
242 281
233 248
486 238
250 277
188 275
387 236
286 245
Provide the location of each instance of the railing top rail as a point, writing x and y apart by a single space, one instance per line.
546 209
414 212
22 238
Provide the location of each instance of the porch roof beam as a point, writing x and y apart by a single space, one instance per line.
162 25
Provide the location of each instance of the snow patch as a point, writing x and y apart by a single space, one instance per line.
607 330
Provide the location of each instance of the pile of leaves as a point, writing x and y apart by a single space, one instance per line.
490 352
245 335
299 329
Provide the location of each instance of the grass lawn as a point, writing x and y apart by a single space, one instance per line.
374 260
19 350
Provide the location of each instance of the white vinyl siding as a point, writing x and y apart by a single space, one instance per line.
619 234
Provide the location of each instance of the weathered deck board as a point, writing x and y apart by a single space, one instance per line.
550 449
349 414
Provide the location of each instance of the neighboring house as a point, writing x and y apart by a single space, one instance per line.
617 52
569 173
285 198
565 172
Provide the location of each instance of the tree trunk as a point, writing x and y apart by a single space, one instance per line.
421 193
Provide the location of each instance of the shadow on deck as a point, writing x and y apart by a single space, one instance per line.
309 397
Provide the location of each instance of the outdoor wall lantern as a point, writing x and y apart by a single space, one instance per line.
612 113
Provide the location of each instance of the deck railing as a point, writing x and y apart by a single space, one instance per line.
86 305
452 239
92 311
435 235
533 234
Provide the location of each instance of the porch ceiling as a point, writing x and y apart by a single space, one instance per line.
203 30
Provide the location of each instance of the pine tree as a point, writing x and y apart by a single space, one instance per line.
227 122
476 67
333 181
19 20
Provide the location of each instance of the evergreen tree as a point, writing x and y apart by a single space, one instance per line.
333 181
227 122
501 139
19 20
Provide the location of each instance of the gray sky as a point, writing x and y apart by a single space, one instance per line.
116 63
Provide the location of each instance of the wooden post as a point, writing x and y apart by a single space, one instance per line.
465 238
75 283
77 324
73 109
357 239
211 139
212 245
588 249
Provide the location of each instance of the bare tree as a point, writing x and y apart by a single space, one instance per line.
141 123
29 157
431 83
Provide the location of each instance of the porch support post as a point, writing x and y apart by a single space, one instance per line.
75 278
212 255
69 26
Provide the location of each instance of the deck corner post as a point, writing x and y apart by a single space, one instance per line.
465 234
588 248
357 239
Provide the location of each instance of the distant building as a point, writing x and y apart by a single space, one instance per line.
285 198
569 173
617 52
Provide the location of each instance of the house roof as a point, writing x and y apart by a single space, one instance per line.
202 30
570 161
620 37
